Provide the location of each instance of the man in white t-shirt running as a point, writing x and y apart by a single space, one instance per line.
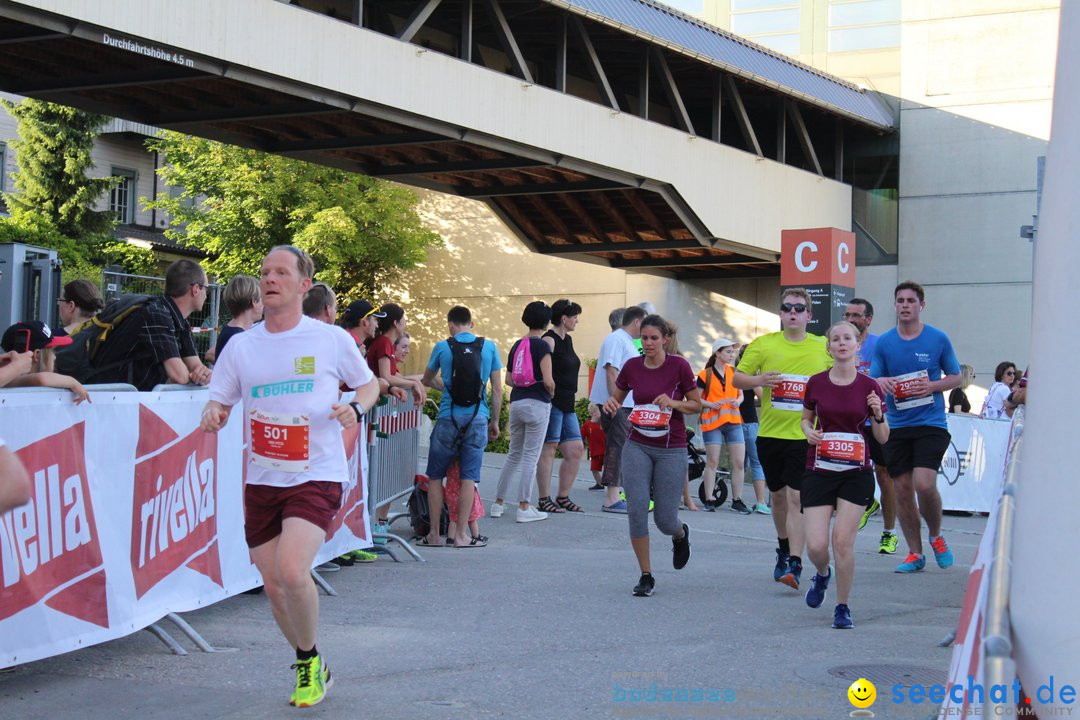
287 372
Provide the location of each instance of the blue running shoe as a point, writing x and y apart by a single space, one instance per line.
841 619
942 553
913 564
792 575
818 587
781 565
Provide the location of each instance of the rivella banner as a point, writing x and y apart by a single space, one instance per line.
135 513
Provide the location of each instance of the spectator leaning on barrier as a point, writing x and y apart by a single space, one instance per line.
13 364
361 320
287 372
36 340
79 302
164 351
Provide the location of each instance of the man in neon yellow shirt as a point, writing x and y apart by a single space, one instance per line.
781 363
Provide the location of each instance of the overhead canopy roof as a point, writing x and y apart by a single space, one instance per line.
690 36
557 204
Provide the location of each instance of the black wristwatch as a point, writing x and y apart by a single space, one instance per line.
356 409
879 422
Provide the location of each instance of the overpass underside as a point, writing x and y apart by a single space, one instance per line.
588 141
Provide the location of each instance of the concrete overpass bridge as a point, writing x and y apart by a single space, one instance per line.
618 132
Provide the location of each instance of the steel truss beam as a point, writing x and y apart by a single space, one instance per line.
637 245
506 39
740 115
417 20
595 68
804 135
672 92
540 188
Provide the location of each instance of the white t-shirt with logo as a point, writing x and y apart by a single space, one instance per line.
288 382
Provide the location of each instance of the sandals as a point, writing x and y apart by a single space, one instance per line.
545 504
568 505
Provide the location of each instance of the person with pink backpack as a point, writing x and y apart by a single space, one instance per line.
528 372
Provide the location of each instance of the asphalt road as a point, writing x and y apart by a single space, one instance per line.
542 624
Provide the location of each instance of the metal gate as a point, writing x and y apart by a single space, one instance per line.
204 323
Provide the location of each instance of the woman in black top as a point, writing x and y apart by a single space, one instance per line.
563 431
958 399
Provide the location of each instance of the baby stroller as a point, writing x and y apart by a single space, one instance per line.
696 463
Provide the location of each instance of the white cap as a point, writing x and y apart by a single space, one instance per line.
723 343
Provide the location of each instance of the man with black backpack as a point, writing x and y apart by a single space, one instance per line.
143 340
461 366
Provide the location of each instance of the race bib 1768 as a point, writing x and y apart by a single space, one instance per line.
788 395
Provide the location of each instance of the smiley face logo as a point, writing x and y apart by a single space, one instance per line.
862 693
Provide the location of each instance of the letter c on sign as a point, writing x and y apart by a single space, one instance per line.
799 250
841 251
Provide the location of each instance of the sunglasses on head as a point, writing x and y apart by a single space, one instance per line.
788 307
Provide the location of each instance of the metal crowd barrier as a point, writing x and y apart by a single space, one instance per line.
1000 667
394 428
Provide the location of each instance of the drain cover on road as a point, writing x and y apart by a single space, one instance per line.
906 675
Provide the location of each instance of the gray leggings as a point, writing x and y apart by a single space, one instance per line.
528 428
662 469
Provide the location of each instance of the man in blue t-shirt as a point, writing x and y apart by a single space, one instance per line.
461 431
915 365
860 313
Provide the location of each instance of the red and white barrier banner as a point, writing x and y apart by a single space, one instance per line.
135 513
969 655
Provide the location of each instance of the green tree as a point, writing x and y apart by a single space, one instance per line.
238 203
52 159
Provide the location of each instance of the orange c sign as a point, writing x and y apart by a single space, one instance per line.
819 256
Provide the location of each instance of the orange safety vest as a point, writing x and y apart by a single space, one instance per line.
715 392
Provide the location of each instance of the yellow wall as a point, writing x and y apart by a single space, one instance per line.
484 267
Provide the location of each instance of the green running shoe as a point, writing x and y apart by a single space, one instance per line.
313 680
873 508
888 543
363 556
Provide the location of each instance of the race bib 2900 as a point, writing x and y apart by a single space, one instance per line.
905 394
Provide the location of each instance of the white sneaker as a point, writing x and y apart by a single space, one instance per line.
497 510
530 514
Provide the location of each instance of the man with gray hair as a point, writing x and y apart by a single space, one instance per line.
614 318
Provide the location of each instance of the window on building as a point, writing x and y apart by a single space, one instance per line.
863 24
122 197
772 23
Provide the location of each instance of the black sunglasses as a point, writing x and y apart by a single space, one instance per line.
788 307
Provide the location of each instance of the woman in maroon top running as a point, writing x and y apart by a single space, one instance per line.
836 406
